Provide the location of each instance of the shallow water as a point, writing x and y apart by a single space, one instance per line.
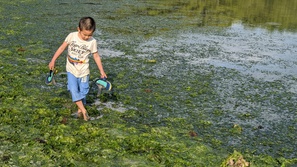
219 65
253 81
251 70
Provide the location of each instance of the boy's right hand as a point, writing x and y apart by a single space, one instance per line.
51 65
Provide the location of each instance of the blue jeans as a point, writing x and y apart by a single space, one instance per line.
78 87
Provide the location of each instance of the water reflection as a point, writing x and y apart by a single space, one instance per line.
272 14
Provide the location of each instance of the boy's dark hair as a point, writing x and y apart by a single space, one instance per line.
87 23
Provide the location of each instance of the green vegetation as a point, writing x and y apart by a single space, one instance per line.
168 122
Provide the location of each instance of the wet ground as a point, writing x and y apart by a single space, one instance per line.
235 85
216 77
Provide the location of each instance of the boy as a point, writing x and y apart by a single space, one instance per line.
80 45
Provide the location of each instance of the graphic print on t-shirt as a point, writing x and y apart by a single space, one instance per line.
77 53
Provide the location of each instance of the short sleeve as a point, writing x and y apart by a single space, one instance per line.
94 46
69 38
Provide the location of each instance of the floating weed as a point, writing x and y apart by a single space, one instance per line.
121 75
5 52
236 129
218 112
205 123
151 61
183 114
10 32
122 86
235 160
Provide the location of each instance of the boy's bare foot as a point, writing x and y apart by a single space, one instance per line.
86 116
82 109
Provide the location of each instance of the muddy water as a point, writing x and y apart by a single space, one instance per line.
227 67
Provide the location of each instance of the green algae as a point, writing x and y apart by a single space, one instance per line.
174 123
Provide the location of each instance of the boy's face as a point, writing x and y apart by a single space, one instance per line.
85 34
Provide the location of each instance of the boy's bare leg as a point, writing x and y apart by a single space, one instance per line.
81 108
79 113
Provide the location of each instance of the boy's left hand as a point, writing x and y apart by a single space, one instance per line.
103 75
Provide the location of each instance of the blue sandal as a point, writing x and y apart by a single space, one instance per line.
103 83
50 78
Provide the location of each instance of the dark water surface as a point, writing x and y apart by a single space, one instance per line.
218 64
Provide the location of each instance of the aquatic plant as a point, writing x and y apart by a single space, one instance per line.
175 113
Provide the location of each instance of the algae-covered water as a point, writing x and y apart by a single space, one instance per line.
194 82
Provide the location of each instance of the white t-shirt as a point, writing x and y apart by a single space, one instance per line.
78 54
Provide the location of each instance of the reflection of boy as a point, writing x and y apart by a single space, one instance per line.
80 45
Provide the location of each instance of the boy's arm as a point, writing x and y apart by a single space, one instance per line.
59 51
99 64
